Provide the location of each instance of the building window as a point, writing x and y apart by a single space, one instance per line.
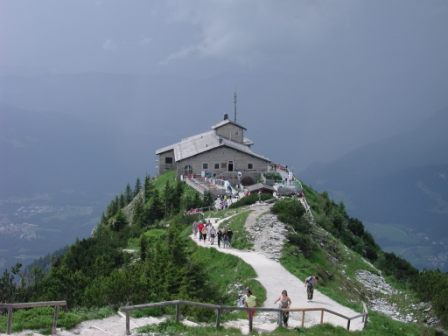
216 165
205 166
188 170
250 166
223 165
168 160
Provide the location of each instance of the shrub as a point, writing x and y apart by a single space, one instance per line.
251 199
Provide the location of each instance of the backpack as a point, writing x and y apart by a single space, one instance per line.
309 281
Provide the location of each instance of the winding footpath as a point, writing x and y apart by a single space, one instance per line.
274 278
270 273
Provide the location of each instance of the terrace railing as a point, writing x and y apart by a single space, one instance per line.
11 306
219 310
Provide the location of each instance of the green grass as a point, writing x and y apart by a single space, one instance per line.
220 213
225 271
160 181
41 319
240 238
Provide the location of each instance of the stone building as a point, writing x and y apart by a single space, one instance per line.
224 152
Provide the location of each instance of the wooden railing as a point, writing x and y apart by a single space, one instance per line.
219 309
11 306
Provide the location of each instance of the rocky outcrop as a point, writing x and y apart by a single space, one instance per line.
266 232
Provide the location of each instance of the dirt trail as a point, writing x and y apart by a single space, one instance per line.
274 278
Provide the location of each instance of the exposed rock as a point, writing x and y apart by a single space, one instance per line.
374 283
268 235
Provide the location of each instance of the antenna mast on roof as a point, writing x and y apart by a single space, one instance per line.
234 106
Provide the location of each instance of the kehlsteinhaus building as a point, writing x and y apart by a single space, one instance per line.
224 153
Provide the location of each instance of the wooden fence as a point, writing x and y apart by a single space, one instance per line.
220 309
11 306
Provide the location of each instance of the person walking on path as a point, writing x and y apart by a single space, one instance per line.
204 234
225 239
200 228
219 237
310 283
250 301
195 229
229 237
285 303
212 234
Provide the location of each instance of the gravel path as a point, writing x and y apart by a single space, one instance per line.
274 278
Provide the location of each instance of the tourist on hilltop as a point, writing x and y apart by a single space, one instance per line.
310 283
285 302
220 236
209 226
212 234
250 301
204 234
225 239
200 228
229 236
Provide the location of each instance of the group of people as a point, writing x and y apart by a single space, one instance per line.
284 301
204 231
224 202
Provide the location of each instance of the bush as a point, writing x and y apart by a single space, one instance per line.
391 264
303 242
251 199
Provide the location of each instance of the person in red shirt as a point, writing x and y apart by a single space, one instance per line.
200 227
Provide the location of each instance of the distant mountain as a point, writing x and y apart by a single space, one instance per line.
57 172
399 188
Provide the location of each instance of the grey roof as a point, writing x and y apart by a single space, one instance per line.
259 186
225 122
204 142
247 141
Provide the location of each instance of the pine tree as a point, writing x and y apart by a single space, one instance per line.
128 194
155 210
168 198
148 188
208 199
119 222
138 187
121 201
138 218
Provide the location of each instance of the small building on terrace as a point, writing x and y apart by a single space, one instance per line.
222 153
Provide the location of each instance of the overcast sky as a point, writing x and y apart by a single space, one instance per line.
348 71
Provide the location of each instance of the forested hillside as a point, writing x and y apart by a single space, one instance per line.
140 253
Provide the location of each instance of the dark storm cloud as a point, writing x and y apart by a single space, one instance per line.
342 73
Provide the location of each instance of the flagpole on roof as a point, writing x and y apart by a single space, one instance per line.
234 105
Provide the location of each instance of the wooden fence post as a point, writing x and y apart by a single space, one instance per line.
218 317
55 320
303 318
9 327
177 312
348 324
128 323
279 321
322 316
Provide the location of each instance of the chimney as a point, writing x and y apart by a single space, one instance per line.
226 116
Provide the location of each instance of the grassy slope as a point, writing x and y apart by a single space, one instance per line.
41 319
240 238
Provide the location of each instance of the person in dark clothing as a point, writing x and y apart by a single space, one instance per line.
219 237
229 236
310 282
